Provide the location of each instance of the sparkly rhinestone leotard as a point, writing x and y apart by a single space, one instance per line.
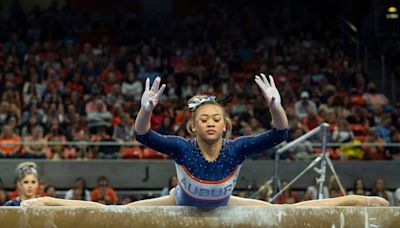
204 183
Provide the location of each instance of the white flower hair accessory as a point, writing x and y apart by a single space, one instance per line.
196 102
28 170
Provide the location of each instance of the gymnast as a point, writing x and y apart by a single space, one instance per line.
27 182
208 165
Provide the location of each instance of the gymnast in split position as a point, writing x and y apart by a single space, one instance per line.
208 165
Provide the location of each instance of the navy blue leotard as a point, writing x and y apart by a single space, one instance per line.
15 202
204 183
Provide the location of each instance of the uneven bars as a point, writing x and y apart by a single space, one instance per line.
301 139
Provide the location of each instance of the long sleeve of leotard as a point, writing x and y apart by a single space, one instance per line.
166 144
249 145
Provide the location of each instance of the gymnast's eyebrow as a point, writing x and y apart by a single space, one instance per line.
217 114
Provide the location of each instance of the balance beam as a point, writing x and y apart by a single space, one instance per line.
120 216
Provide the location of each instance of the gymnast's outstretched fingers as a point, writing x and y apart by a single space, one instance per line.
34 202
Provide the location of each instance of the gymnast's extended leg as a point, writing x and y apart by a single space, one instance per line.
351 200
239 201
159 201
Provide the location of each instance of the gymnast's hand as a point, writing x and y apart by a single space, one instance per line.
151 96
42 201
269 90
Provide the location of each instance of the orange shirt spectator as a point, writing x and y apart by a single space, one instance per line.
76 84
10 143
375 152
105 74
52 81
104 193
312 121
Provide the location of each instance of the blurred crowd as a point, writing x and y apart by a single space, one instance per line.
71 76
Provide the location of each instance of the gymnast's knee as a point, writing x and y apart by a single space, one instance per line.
172 192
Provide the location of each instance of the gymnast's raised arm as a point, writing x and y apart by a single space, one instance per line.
273 98
254 144
150 98
166 144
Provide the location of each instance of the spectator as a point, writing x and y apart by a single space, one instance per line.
99 118
4 111
50 190
308 195
14 194
14 123
33 110
54 87
111 72
103 150
373 98
334 189
33 90
383 129
58 139
288 196
115 97
11 96
313 189
166 127
373 152
394 138
40 191
375 115
302 106
341 132
359 188
3 197
379 189
75 84
103 193
79 191
27 129
132 88
358 117
264 192
39 148
311 121
124 131
82 149
10 143
303 150
157 117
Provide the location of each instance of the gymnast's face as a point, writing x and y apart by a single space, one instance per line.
28 185
209 124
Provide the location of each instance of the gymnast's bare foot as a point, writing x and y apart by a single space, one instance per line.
372 201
